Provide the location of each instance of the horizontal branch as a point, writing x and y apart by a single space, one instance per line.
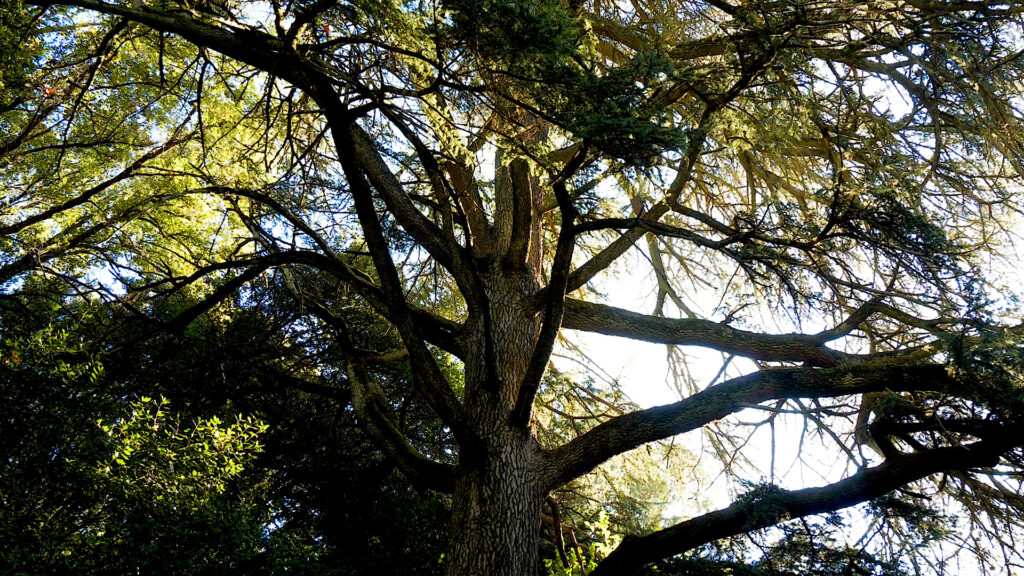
602 319
437 330
777 506
627 432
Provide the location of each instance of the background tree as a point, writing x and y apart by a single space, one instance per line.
435 190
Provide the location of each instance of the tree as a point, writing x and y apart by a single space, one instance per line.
141 489
171 504
469 170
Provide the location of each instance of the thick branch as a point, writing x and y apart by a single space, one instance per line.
248 45
371 408
306 15
624 433
223 292
439 331
591 317
427 376
401 207
754 513
554 308
62 245
368 401
521 214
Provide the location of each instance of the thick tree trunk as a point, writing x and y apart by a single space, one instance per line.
496 510
498 495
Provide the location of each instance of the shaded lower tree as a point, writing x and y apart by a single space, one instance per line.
281 509
93 483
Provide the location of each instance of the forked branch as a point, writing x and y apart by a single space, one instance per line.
554 307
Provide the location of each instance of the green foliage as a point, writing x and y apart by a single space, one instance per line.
185 465
521 37
817 546
921 523
584 558
762 497
994 361
806 196
615 112
793 558
162 492
892 218
15 52
328 501
534 49
580 562
48 440
92 485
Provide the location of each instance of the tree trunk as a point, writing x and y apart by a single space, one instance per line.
496 505
496 508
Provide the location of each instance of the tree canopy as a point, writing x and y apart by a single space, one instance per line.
282 284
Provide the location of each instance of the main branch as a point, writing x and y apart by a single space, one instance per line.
624 433
750 514
808 348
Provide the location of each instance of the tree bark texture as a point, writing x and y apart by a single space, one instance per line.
496 508
499 489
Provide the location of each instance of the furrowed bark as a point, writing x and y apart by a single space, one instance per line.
496 511
499 492
523 197
503 477
467 191
502 225
553 312
555 306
